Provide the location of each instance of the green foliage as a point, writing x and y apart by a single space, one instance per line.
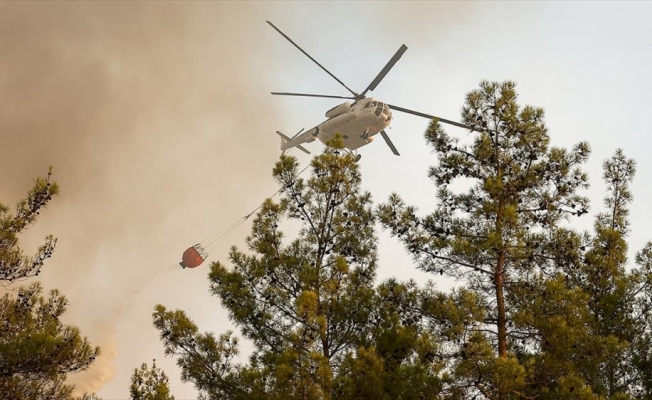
570 320
34 341
149 384
14 264
541 311
320 328
36 349
589 317
204 359
308 293
502 229
398 359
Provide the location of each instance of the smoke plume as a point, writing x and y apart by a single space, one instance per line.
157 121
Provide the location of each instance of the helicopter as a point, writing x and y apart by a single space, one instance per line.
359 122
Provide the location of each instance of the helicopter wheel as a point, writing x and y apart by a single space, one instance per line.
356 156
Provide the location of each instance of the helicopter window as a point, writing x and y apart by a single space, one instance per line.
386 111
367 105
373 103
379 111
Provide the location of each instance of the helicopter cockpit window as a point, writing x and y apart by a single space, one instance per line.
373 103
367 105
380 107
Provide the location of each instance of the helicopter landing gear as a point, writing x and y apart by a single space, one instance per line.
365 134
356 156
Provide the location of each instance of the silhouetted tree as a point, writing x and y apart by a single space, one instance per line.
14 264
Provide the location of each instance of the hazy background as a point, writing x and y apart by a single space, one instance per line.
158 120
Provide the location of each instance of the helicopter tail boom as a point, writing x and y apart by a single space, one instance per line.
286 144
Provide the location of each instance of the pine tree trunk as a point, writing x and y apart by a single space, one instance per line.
500 265
500 302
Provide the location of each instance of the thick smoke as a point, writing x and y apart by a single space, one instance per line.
160 129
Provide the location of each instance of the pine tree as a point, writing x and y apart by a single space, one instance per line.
618 302
320 328
581 326
542 311
497 232
607 339
36 349
149 384
299 303
14 264
641 347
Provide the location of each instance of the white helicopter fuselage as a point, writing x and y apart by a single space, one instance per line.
357 123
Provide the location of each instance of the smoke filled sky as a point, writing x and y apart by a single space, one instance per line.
158 121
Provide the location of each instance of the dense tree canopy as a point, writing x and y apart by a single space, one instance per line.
320 327
541 310
563 318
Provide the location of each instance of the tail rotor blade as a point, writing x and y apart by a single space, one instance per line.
313 60
386 69
389 142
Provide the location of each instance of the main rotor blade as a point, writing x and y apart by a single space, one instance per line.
386 69
389 142
308 55
420 114
328 96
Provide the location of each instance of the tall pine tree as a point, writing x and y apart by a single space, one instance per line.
320 328
497 231
591 316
